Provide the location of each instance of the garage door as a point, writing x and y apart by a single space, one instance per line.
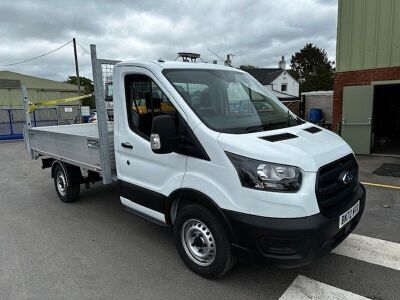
357 117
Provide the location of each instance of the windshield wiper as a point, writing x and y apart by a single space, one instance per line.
256 128
289 118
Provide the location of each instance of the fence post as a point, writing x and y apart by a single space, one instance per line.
10 120
28 123
26 106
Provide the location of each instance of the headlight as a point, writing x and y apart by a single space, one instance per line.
267 176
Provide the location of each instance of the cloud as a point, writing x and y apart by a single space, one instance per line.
257 32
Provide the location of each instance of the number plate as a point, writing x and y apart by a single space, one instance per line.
348 215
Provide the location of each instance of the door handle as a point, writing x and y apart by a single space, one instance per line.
360 124
127 145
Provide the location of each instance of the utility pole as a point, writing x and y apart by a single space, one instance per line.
76 66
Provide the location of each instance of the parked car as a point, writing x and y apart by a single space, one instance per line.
93 117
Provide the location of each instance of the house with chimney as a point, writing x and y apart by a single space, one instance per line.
277 80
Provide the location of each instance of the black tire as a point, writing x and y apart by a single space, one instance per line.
66 191
220 258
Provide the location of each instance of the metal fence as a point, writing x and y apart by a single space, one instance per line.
12 120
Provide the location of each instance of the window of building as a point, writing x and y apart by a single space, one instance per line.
145 100
284 87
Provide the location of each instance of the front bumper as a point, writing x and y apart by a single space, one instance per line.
294 242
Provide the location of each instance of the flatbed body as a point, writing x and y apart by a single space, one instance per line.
77 144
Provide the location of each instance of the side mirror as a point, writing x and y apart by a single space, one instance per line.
164 136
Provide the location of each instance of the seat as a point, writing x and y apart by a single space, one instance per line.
153 107
185 95
204 108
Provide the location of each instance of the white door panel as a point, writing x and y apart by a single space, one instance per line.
140 166
162 173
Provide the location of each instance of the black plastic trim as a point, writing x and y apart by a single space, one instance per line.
47 162
312 129
331 206
279 137
142 196
192 195
190 144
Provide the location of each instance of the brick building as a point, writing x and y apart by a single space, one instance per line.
366 99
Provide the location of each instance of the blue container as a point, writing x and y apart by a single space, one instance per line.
315 115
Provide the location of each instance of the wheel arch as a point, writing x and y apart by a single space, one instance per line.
73 173
181 197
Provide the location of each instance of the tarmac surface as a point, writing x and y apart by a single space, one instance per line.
93 249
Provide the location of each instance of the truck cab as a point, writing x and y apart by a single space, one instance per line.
207 150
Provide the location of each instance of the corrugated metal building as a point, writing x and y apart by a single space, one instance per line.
366 100
12 115
39 89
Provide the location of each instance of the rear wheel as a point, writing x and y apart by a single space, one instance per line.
66 190
202 242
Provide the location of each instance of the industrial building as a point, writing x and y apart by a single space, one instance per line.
12 115
366 100
39 89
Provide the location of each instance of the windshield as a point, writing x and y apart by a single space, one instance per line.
230 101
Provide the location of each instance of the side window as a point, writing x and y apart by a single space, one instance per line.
145 100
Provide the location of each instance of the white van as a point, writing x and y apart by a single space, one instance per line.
208 151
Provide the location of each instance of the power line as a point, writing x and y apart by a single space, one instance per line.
216 54
225 61
30 59
83 48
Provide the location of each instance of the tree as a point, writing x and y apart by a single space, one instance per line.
312 68
88 88
243 67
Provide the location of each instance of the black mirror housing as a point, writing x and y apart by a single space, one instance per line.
164 136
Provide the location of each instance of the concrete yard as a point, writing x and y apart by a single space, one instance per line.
93 249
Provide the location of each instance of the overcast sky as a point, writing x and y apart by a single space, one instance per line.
257 32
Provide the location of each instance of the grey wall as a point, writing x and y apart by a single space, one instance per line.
322 101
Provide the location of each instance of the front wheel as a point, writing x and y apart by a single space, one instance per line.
202 242
66 190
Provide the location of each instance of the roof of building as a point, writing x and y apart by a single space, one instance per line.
284 96
264 75
33 82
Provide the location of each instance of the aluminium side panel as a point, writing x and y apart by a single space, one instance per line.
64 144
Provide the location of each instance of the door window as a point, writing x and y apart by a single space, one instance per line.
145 100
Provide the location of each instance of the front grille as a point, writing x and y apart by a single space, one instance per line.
332 193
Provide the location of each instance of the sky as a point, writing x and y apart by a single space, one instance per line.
256 32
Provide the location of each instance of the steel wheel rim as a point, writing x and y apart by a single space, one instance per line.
61 183
198 242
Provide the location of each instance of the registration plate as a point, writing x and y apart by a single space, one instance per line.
348 215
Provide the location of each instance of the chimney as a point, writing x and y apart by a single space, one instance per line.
228 61
282 63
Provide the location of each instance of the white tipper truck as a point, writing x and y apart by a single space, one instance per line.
209 152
